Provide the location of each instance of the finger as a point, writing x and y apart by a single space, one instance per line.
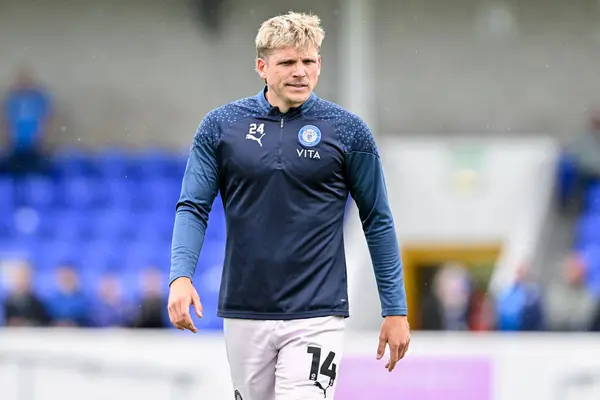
381 347
403 350
179 326
182 318
394 353
189 324
173 317
197 305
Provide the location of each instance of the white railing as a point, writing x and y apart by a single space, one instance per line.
39 376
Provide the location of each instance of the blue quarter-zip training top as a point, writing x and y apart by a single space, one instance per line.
284 180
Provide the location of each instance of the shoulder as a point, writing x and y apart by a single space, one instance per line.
353 132
220 118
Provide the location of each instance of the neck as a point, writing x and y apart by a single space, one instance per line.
275 101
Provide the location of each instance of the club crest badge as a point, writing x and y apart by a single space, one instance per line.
309 136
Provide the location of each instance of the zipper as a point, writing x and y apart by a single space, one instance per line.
280 142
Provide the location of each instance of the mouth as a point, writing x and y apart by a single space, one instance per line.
297 85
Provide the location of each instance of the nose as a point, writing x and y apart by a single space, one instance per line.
299 71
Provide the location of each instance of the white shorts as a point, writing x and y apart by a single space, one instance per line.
284 360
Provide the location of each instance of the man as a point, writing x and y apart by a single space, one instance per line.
285 162
28 116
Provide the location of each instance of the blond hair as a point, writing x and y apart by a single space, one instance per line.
293 29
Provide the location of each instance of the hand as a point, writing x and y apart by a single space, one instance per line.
181 296
395 332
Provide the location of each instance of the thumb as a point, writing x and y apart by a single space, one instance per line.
381 348
197 305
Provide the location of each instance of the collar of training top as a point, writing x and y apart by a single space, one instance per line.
274 111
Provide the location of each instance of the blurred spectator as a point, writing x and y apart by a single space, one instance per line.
448 306
152 311
109 308
22 307
483 313
584 150
27 119
68 306
589 256
519 307
569 306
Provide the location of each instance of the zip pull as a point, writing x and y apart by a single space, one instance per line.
282 122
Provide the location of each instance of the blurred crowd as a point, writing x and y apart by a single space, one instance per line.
62 300
457 303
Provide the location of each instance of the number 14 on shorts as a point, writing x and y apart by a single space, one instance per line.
327 368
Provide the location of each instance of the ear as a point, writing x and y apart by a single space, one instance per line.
260 68
319 65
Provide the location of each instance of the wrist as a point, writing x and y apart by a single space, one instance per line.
179 280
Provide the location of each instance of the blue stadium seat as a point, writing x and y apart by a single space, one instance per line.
587 230
159 194
152 164
81 192
121 193
7 210
37 192
593 199
7 190
216 229
15 248
51 254
113 163
65 225
112 224
591 257
72 162
154 227
212 255
176 165
100 255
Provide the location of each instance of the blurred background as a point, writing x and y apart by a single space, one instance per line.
487 115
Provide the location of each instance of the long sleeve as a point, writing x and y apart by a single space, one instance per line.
198 191
368 189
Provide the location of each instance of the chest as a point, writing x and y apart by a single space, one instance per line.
303 150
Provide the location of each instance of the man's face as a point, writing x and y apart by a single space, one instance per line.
291 75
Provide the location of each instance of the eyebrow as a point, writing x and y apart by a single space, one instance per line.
287 60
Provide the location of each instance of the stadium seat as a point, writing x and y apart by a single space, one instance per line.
120 193
81 192
100 255
113 164
114 224
154 226
37 192
51 254
587 230
159 194
7 207
151 164
591 257
65 225
593 199
72 162
7 192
